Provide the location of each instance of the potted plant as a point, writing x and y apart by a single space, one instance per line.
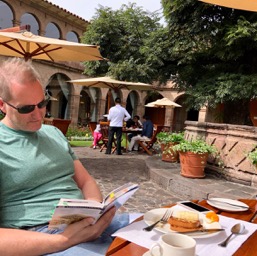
167 140
193 157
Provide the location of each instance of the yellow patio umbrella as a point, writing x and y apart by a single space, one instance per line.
107 82
247 5
164 102
30 46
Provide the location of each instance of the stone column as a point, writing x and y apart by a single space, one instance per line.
101 108
169 114
74 100
202 114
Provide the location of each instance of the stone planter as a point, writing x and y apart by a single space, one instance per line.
192 165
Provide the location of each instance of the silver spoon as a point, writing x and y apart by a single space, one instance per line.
235 230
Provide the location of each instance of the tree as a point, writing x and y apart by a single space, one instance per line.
122 36
214 52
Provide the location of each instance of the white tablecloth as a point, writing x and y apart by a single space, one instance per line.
204 246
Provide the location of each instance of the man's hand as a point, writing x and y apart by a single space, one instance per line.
30 243
84 231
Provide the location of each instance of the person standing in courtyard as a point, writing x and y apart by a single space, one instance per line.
117 115
37 168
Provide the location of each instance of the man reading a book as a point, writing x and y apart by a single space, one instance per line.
37 168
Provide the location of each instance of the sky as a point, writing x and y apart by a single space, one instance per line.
87 8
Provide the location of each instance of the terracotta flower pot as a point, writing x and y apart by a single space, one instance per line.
168 155
192 165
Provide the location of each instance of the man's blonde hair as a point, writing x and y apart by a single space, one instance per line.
15 70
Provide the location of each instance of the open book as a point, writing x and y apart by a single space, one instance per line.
71 210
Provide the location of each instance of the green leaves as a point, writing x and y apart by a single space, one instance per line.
123 37
166 137
253 157
198 146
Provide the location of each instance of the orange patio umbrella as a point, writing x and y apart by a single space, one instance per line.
247 5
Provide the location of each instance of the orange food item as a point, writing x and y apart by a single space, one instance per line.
212 217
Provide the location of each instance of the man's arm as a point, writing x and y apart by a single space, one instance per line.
86 182
30 243
127 115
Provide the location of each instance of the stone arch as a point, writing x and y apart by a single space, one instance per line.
157 115
30 19
89 107
59 89
182 114
132 102
52 30
110 98
72 37
6 14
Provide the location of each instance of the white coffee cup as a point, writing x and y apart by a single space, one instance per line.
174 244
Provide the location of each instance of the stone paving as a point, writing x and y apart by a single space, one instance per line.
160 182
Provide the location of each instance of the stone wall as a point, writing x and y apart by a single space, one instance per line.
233 142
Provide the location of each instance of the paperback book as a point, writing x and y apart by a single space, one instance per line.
71 210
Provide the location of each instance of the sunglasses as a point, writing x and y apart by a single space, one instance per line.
29 108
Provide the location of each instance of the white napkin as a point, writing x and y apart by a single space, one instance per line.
209 246
204 246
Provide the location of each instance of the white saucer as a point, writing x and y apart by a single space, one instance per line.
155 251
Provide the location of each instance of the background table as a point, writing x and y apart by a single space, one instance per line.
121 247
127 131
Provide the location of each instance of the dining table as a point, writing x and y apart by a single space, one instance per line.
127 131
121 247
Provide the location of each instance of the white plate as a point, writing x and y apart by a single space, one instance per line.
152 216
220 203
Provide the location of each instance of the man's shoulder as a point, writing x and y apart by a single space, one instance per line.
50 130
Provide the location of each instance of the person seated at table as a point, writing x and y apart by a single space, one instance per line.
136 124
147 133
38 167
130 123
97 134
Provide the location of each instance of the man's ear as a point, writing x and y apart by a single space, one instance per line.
2 105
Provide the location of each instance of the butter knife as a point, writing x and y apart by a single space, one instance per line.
203 230
227 203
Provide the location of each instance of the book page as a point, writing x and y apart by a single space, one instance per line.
120 198
118 192
72 210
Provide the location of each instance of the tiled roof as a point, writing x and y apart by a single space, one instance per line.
60 11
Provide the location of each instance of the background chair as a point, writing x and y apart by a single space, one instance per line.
104 130
147 145
61 124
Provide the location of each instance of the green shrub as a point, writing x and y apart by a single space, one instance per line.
79 133
253 157
198 146
167 137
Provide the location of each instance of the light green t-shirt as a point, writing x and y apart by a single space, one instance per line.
36 170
